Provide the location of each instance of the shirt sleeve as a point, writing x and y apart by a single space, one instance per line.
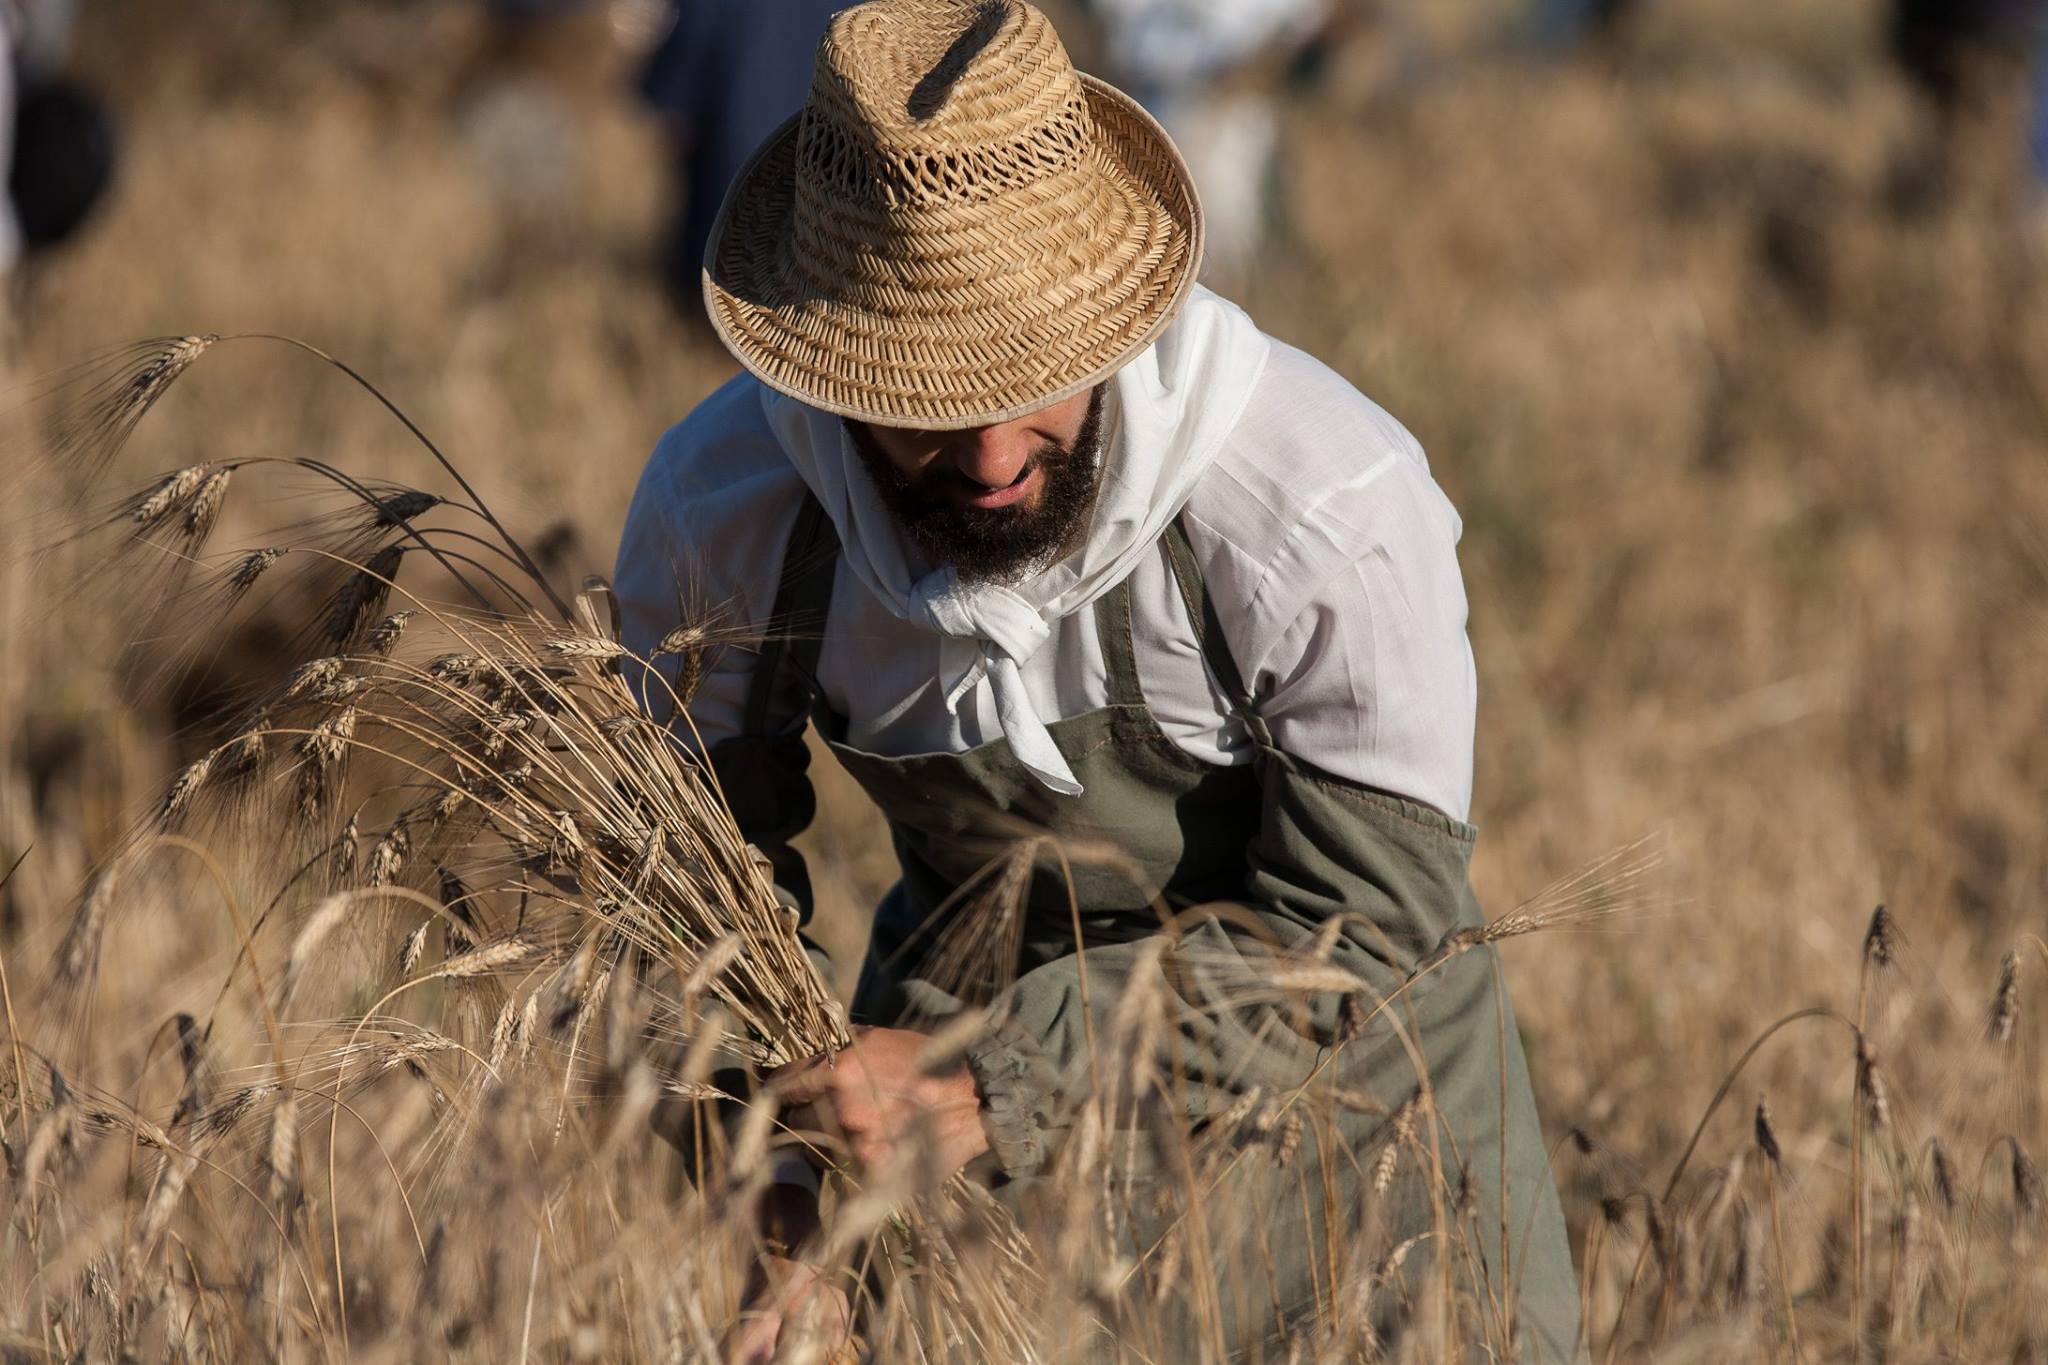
1170 43
1373 681
702 546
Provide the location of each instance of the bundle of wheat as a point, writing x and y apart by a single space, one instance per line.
482 766
466 791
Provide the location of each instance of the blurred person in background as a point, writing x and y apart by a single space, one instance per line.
2038 132
56 136
725 74
1208 71
515 107
1970 61
1561 25
520 12
1056 548
39 32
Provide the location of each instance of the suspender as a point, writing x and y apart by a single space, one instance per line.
796 627
803 598
1202 615
1209 631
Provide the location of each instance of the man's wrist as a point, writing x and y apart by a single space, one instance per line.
965 1115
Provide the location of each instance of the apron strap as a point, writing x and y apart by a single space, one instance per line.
803 599
1209 636
1119 655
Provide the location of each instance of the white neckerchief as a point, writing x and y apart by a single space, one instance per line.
1165 419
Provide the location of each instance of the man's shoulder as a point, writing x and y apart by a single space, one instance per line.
723 445
1313 458
714 504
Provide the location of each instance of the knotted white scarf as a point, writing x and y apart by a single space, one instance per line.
1164 421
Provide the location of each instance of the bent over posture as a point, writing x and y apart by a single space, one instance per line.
1060 553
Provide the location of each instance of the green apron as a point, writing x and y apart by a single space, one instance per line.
1294 848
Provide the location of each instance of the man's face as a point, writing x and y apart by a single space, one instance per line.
992 502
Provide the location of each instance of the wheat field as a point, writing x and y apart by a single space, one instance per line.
1749 445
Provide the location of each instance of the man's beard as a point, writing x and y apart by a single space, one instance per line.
996 544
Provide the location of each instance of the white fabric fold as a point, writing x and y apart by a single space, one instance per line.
1167 415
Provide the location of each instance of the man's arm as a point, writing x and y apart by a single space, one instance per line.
703 546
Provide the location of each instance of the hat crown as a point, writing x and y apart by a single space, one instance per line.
926 102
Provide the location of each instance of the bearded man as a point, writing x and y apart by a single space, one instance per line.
1053 545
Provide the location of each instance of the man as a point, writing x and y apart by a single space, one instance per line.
56 140
1054 545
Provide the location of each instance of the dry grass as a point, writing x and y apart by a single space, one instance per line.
1757 543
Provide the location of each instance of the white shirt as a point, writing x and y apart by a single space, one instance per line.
1171 44
1328 550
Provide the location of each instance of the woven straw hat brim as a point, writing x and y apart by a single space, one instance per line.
1038 301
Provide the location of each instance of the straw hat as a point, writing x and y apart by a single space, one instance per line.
958 228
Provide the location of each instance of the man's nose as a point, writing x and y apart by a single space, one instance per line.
992 456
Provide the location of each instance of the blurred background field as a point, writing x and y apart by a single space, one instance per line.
1747 418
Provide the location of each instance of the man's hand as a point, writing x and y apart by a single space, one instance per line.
878 1095
789 1299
